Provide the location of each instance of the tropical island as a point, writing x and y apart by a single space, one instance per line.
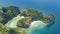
14 21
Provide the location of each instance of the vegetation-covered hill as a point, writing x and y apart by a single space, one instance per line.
7 13
7 30
34 15
30 15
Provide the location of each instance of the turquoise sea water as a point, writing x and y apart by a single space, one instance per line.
45 6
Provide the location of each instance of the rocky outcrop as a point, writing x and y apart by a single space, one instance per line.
30 16
51 18
34 15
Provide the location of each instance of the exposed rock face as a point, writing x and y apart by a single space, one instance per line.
34 15
51 18
7 13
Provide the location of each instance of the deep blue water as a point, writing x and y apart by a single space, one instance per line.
46 6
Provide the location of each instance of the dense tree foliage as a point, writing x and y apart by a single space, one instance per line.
25 22
6 30
7 13
35 14
30 15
